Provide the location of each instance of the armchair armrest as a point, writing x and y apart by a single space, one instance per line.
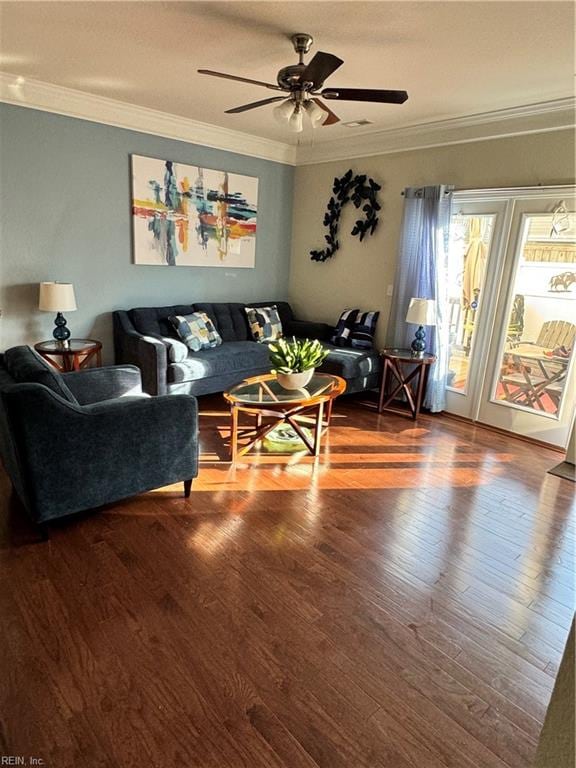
80 457
91 385
308 329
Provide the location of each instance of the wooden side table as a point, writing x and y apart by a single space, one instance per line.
74 354
399 369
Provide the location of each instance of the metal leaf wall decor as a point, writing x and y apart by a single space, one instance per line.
362 191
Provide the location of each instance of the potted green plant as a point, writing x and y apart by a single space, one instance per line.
294 361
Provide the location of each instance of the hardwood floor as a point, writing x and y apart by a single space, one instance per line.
402 602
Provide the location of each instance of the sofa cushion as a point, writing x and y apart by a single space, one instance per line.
284 309
243 357
362 336
305 329
177 350
197 331
350 363
344 326
265 323
229 319
26 366
154 321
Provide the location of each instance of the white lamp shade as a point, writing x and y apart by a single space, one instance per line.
283 111
314 112
295 123
421 312
57 297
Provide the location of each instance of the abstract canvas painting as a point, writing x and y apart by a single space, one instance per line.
184 215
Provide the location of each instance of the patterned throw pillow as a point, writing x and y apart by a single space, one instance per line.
344 326
362 336
265 323
196 331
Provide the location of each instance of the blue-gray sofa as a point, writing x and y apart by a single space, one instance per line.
145 337
74 441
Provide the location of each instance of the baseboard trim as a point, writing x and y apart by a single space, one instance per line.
506 433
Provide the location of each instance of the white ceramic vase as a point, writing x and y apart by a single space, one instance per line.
295 380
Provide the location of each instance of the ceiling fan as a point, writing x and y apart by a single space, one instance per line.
303 83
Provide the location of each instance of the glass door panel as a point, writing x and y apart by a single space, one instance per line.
470 238
528 387
539 343
475 242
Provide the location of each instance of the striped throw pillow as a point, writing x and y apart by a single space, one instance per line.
344 326
362 336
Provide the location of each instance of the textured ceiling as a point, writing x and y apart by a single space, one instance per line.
453 58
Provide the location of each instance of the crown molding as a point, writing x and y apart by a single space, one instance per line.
555 115
47 97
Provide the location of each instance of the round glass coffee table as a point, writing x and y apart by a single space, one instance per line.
263 396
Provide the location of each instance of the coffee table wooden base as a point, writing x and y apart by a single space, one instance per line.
317 416
263 397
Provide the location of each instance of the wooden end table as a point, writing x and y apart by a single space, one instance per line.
402 372
263 396
74 354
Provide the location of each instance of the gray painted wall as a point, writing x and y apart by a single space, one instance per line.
65 215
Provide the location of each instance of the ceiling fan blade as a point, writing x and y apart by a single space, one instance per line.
365 94
254 104
319 68
239 79
331 117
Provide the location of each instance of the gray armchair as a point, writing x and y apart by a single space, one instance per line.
75 441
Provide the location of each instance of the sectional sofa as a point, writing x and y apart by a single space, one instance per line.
145 337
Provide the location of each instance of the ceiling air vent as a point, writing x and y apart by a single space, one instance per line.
357 123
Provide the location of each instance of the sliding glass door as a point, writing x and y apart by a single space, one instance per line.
513 311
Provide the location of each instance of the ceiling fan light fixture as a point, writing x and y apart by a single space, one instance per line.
315 113
295 123
283 111
299 86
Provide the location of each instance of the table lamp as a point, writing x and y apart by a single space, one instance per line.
58 297
421 312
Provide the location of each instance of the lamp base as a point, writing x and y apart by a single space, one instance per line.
418 346
61 332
